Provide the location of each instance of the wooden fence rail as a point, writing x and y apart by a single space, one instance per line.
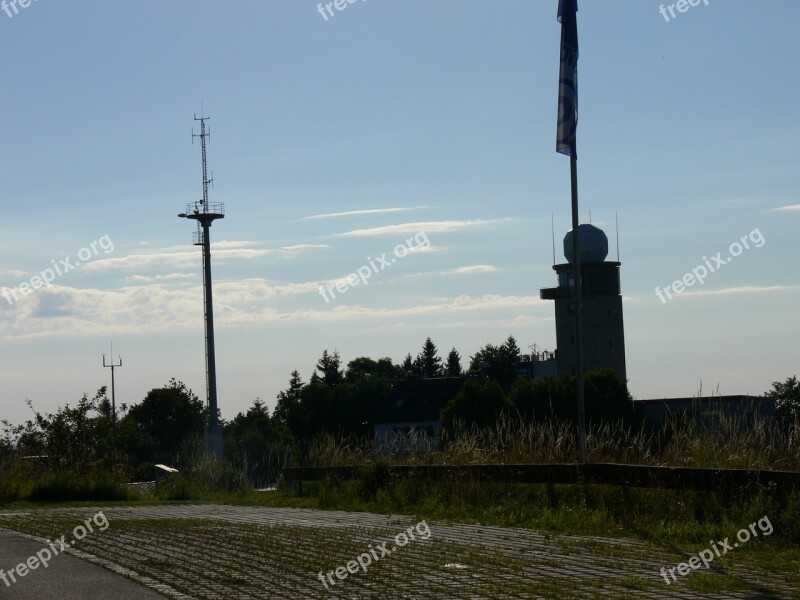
671 478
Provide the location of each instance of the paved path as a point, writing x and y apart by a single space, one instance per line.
66 577
220 551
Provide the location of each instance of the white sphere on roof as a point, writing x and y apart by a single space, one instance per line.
593 244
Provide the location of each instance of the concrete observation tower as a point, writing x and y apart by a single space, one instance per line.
603 329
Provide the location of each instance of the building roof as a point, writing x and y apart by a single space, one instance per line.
659 407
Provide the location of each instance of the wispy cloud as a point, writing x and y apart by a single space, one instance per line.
169 277
297 248
753 289
791 207
467 270
223 244
426 226
355 213
185 257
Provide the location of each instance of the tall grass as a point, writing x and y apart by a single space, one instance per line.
666 516
201 476
35 481
723 441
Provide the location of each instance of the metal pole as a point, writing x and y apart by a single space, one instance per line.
214 440
113 396
576 269
113 365
205 214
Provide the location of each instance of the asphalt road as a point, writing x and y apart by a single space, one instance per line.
65 578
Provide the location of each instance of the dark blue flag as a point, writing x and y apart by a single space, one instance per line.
568 78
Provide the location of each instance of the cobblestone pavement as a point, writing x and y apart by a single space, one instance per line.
221 551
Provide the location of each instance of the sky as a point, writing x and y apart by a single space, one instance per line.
336 138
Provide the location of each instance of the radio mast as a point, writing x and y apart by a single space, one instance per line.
205 213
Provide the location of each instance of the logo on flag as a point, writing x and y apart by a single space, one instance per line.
568 78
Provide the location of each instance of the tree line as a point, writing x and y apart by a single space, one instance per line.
341 400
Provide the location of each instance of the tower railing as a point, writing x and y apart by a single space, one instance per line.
211 208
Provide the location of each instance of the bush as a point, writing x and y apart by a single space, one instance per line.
66 486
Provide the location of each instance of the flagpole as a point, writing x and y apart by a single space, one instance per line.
566 142
576 269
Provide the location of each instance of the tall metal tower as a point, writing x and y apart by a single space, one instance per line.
205 213
112 365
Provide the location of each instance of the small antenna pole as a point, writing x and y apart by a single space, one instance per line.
112 365
204 136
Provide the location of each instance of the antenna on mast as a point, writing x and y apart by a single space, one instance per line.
204 135
112 365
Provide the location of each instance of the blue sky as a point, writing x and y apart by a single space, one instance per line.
334 141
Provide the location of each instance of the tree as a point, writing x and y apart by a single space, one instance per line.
542 398
315 411
77 437
606 398
787 400
355 405
498 363
156 428
408 365
363 367
454 364
511 349
329 369
289 399
477 404
428 359
257 444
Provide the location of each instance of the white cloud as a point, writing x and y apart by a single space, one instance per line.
164 278
448 306
233 244
14 273
469 270
791 207
423 226
297 248
369 211
466 270
60 310
742 290
422 249
185 257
